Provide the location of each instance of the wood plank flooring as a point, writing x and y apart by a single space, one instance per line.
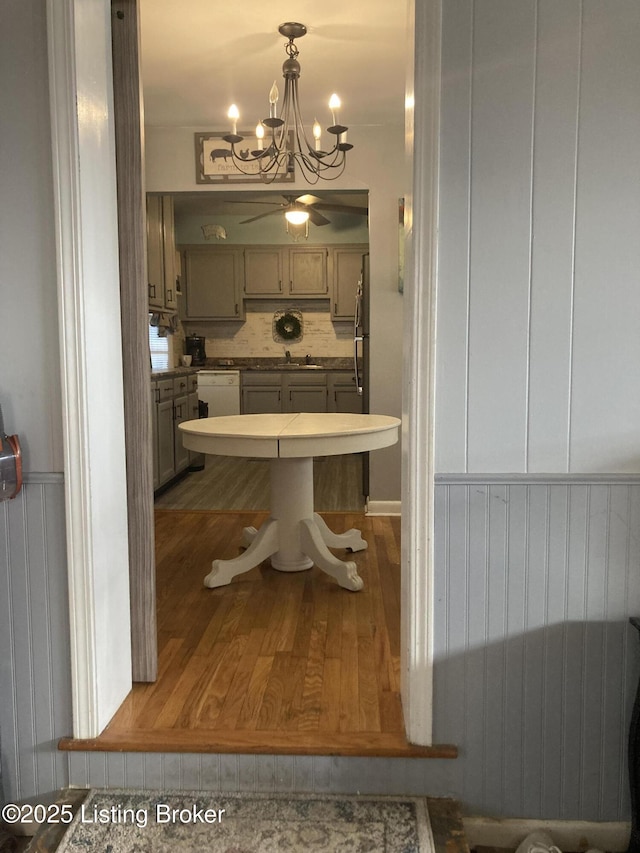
275 662
243 484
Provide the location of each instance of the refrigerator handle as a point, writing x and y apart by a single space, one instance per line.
356 340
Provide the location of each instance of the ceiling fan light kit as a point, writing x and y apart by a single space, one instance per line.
281 140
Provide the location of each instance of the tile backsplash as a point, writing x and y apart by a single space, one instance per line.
254 337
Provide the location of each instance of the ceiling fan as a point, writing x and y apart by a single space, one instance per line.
309 204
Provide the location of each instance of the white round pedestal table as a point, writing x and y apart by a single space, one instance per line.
294 536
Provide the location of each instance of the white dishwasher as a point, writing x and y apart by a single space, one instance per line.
220 390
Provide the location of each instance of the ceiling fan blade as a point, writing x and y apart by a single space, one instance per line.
316 217
308 199
259 216
342 208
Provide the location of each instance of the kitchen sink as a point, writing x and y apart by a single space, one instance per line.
292 365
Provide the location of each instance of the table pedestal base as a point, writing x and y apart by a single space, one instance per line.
294 536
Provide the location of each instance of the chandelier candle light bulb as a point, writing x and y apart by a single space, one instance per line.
317 134
334 106
273 100
260 136
234 115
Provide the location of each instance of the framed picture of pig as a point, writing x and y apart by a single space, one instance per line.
215 165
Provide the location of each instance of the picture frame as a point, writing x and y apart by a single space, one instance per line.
214 164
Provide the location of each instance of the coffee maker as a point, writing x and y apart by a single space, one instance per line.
194 346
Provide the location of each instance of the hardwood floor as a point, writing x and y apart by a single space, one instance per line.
275 662
243 484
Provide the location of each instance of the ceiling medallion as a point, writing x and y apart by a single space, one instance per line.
281 140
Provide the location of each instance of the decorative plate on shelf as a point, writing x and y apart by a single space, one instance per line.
287 326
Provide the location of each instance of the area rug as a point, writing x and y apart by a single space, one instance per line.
125 821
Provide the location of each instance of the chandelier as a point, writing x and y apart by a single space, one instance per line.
281 140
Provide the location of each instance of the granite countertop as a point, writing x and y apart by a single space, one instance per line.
327 364
173 371
244 364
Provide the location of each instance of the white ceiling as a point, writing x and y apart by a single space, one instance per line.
199 56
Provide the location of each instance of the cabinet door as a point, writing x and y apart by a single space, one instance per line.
169 255
343 395
154 433
214 278
304 398
180 414
308 271
256 400
166 463
263 272
347 270
155 265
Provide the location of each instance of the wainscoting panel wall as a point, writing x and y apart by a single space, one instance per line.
535 664
35 681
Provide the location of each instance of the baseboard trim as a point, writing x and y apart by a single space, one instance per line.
383 508
612 836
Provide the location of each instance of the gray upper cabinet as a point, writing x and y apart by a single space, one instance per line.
263 271
214 278
308 271
346 272
161 268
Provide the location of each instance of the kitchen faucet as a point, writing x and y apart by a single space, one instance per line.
287 355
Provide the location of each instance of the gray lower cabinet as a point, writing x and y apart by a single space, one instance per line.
176 400
342 394
304 392
166 441
261 393
299 392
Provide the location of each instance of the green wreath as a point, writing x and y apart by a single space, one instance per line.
288 327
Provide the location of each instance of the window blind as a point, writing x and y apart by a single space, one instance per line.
159 349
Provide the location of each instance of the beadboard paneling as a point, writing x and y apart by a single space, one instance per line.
35 683
537 242
535 664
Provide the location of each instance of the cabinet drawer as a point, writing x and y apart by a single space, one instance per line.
180 386
165 390
254 378
306 378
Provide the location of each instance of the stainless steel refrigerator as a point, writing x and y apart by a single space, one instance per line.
361 353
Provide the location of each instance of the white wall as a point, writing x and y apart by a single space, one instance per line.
377 164
539 255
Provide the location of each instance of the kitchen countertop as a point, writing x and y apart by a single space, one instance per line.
276 364
326 364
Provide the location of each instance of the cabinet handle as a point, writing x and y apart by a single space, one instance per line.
170 295
152 290
183 384
280 285
157 395
236 307
335 307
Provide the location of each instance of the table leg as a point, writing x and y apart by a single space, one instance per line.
349 539
346 573
264 544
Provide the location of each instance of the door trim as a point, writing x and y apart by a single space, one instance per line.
89 303
418 495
